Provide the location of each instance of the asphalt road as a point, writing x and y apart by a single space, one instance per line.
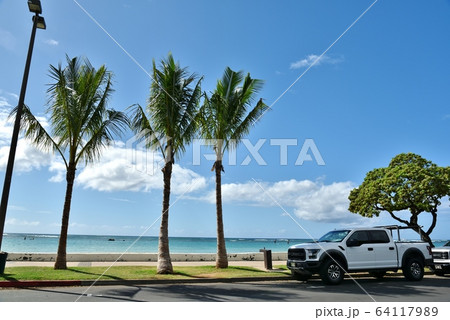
430 289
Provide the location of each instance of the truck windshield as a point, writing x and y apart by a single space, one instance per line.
334 236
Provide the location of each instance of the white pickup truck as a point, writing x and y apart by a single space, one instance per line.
370 250
441 256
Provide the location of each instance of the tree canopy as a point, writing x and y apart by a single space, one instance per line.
411 183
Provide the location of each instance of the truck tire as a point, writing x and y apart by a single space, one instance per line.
413 269
300 276
378 274
331 272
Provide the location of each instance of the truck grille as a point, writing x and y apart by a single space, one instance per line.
440 255
296 254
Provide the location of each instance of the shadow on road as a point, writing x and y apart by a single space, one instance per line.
388 289
398 289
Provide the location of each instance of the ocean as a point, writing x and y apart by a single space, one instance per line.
48 243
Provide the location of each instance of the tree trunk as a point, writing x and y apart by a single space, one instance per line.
164 261
61 262
221 259
433 224
424 236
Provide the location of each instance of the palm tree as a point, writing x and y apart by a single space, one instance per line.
81 125
226 118
168 128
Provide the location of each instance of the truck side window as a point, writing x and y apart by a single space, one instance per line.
378 236
361 236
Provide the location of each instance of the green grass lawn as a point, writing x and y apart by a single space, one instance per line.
132 273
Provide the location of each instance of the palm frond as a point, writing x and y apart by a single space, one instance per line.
140 125
114 124
189 120
96 102
34 131
250 120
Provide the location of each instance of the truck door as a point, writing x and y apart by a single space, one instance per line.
385 249
362 255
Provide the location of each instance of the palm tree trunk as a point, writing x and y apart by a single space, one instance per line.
221 259
164 262
61 261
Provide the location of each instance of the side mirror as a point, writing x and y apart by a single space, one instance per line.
353 243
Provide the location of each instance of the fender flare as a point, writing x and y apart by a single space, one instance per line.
412 252
336 255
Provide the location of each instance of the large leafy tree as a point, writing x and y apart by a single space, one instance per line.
168 126
226 118
411 183
81 125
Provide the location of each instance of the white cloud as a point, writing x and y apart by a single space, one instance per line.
16 222
5 126
59 168
27 156
4 102
15 96
313 58
122 200
309 200
7 40
17 208
117 172
51 42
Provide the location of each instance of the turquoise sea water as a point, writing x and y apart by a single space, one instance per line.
48 243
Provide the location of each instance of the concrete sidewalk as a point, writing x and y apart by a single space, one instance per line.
254 264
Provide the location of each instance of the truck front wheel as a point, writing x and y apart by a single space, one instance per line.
331 272
413 269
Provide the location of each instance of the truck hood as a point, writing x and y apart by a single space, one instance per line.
441 249
308 246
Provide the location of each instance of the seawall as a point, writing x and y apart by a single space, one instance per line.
142 257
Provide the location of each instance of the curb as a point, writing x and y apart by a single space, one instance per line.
81 283
39 283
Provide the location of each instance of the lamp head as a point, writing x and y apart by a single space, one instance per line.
35 6
40 24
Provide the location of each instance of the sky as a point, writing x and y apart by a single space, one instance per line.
351 84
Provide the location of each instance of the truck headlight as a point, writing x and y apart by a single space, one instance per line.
312 253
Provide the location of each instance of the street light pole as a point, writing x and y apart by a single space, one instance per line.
38 22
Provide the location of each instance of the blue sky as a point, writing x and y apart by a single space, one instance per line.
381 89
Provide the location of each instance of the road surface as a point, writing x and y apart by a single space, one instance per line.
431 288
